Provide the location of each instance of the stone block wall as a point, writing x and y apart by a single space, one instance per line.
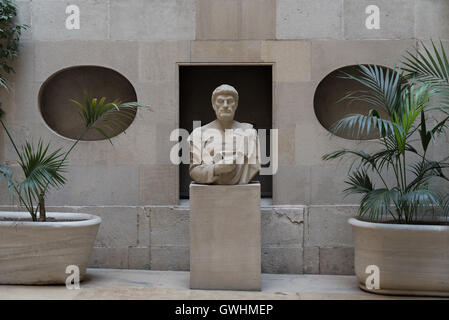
133 186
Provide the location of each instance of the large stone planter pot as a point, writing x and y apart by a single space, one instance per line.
412 259
39 252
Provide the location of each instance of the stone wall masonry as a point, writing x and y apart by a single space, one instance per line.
303 19
295 239
345 19
397 19
235 19
152 19
48 16
431 18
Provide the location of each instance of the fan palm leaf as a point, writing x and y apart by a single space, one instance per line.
42 168
414 202
376 204
424 170
5 172
384 87
107 118
364 157
431 66
359 182
358 124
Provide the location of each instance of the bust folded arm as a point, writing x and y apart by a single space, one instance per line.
199 171
203 173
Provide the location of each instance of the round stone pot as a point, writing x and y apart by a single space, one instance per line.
39 252
411 259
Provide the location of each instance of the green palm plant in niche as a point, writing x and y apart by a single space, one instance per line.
404 138
43 168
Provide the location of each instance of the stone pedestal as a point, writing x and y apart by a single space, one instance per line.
225 243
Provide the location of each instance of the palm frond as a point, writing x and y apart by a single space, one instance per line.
376 204
384 158
365 157
425 135
413 101
359 182
440 128
431 66
4 83
415 202
445 205
384 87
440 100
424 170
356 125
42 168
5 172
107 118
419 198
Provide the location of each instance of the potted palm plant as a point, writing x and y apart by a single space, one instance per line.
402 228
36 247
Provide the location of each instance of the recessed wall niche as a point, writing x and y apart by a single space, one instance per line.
62 115
254 85
330 90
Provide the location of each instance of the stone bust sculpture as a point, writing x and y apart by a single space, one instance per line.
224 151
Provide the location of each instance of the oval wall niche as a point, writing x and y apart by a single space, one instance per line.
62 115
330 90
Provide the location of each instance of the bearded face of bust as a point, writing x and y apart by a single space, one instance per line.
225 107
224 102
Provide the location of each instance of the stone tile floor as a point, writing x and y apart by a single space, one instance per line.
168 285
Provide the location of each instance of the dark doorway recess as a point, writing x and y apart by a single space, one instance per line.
254 85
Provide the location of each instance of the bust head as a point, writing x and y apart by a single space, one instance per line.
225 101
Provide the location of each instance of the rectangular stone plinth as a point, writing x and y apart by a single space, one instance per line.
225 242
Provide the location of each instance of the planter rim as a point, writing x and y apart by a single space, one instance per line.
83 219
392 226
